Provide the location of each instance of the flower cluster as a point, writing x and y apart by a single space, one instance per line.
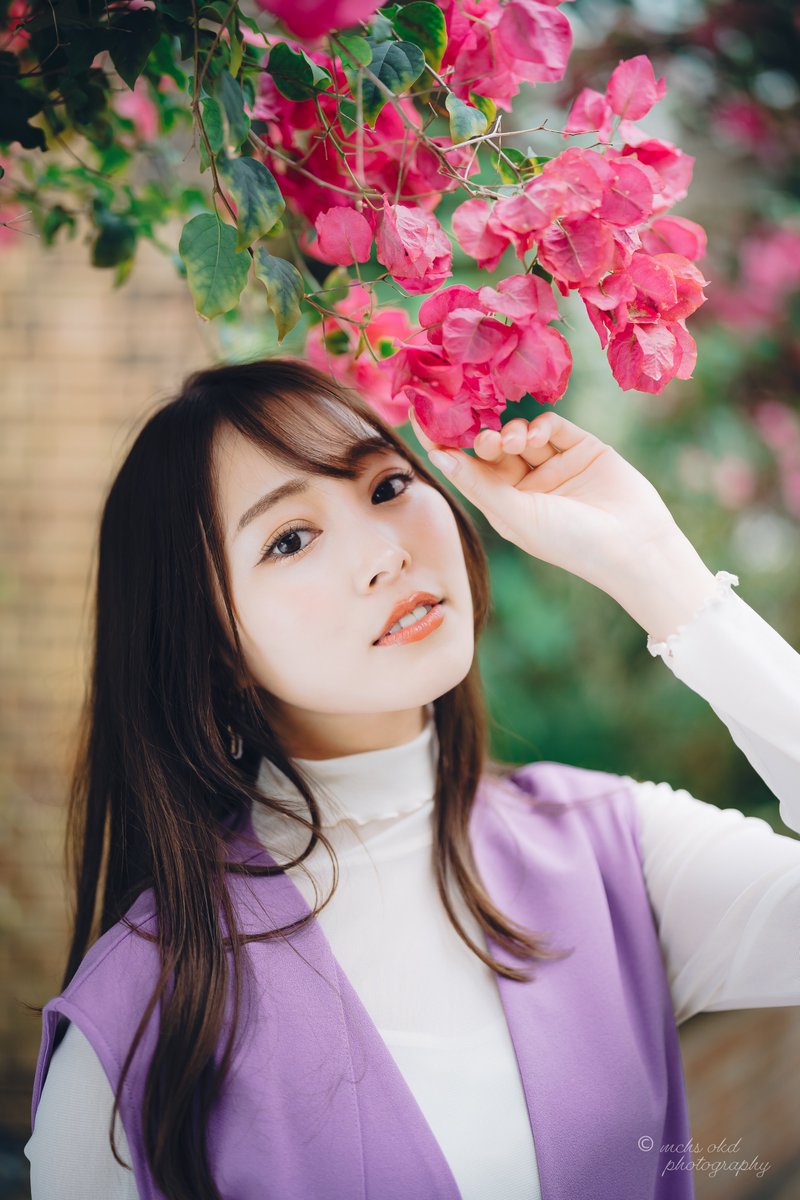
493 48
594 220
391 159
338 346
409 242
467 364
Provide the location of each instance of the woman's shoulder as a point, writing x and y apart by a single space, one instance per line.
123 958
543 784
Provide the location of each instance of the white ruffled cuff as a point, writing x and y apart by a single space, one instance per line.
722 590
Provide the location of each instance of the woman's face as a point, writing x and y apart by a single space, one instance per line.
314 579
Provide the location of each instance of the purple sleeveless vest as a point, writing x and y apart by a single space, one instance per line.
316 1105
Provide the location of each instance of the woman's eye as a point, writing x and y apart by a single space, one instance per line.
290 536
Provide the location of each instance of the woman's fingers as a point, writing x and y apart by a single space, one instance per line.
565 467
541 454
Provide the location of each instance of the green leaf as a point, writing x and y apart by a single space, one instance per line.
237 52
284 285
214 10
17 105
57 218
381 29
423 24
296 76
527 167
487 106
229 94
178 10
212 122
130 40
215 270
338 342
354 52
346 113
397 65
465 121
116 238
259 202
336 286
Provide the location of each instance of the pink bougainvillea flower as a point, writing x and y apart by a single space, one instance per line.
574 182
689 283
456 422
413 247
676 235
497 360
670 165
540 363
628 198
632 89
433 311
590 113
661 287
425 366
470 336
310 19
536 33
524 298
515 220
138 106
474 234
502 46
646 357
631 92
344 236
331 346
577 251
15 37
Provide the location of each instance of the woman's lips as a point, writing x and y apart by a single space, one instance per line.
420 629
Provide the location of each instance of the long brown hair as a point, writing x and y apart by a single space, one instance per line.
155 789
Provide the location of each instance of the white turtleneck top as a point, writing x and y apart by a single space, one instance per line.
724 889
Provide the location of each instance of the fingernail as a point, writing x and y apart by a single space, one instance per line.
444 461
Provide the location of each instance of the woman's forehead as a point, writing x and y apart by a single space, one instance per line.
234 450
245 470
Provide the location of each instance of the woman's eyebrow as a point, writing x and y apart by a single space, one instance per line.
358 454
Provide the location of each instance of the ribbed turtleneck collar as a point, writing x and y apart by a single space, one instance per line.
372 785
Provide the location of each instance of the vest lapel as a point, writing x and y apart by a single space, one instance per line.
590 1030
379 1144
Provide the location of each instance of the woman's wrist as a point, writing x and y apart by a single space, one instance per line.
663 585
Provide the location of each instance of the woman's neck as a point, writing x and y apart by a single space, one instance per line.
368 785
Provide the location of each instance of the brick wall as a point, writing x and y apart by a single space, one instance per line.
80 363
742 1080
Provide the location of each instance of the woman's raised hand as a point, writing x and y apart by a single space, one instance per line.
564 496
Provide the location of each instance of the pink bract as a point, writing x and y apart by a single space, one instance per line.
413 247
310 19
632 89
344 236
384 330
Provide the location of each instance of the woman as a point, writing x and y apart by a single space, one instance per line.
285 706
